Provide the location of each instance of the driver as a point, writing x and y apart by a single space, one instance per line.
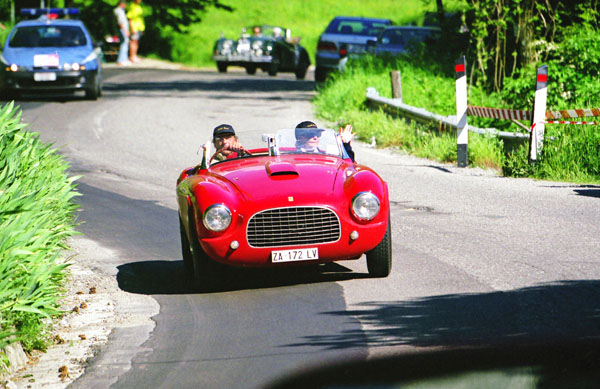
226 143
308 136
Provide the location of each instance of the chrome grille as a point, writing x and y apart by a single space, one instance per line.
293 226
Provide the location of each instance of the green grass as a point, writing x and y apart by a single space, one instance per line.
36 218
306 19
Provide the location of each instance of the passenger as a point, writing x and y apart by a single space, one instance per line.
226 143
308 141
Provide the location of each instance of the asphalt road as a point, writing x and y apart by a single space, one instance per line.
478 259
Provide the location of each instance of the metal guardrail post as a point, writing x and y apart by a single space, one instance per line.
462 127
539 114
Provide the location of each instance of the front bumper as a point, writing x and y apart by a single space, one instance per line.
243 59
49 80
219 248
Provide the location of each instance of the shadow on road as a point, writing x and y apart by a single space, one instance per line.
168 277
213 83
558 311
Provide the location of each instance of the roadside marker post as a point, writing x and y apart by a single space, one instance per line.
536 141
462 127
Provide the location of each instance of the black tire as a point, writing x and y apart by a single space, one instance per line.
186 252
320 74
207 273
222 67
301 71
92 93
251 69
272 69
379 259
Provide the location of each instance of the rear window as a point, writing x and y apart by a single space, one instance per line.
357 27
48 36
405 36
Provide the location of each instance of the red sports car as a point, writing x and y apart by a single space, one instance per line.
283 205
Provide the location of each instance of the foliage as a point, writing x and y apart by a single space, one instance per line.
306 19
36 218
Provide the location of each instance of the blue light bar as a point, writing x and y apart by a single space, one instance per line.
34 12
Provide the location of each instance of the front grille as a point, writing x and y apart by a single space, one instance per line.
293 226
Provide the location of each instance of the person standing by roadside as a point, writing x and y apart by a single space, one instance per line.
123 23
137 28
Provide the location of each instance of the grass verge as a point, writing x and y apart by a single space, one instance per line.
36 218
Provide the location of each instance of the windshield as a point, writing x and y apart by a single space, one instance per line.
308 141
357 27
48 36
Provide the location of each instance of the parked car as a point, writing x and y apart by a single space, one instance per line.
50 55
283 206
398 39
345 36
270 48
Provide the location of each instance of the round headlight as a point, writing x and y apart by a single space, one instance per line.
75 66
14 67
217 217
256 45
365 205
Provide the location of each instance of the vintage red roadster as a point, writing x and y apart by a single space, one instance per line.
282 205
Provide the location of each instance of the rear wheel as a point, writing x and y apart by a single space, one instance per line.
379 260
222 67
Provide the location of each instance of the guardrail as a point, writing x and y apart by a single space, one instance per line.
538 117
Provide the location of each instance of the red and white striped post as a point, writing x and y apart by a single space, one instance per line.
536 141
462 128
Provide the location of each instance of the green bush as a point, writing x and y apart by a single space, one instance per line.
36 218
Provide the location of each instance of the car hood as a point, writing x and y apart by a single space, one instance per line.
259 179
24 56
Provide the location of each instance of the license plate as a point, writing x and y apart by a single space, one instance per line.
44 76
308 254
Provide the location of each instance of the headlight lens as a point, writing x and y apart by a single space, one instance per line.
365 206
217 217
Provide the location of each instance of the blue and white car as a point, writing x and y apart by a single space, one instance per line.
50 55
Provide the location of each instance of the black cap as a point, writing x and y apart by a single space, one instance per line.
306 124
222 130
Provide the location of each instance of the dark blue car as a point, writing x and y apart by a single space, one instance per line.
345 36
399 39
50 55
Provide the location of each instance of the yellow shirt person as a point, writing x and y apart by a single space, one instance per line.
135 14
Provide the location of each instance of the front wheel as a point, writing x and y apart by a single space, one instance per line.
301 71
186 252
272 69
379 259
207 273
251 69
222 67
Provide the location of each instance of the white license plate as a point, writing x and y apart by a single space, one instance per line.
308 254
44 76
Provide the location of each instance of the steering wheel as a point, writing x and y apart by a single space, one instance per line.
239 153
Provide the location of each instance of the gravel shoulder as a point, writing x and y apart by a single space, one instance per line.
93 309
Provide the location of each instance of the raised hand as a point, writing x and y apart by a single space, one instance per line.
346 133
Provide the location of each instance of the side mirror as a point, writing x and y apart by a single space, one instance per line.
371 43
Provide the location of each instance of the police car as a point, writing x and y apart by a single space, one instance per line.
49 54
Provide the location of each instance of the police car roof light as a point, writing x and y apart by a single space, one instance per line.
36 12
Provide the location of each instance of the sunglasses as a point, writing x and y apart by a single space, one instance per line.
309 134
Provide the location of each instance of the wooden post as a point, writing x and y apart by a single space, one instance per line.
462 128
536 140
396 84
